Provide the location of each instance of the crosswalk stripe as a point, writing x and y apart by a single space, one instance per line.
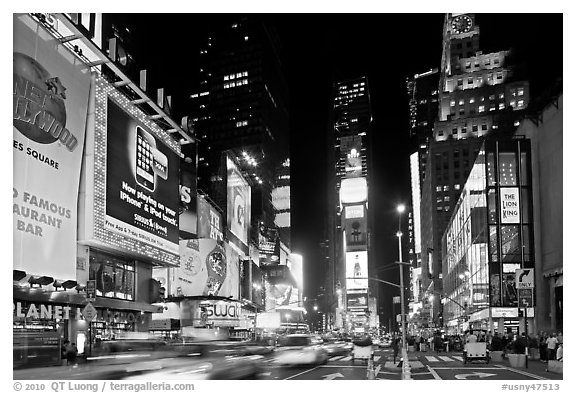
335 358
347 358
459 358
376 358
431 359
446 358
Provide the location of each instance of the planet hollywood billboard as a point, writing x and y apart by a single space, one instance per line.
50 105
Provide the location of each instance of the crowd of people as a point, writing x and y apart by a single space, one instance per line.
550 345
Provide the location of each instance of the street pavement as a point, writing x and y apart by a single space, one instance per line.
424 366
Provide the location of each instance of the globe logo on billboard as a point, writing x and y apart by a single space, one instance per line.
38 105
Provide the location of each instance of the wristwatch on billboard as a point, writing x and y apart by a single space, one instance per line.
216 268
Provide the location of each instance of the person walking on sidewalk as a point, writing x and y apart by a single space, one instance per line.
551 344
396 347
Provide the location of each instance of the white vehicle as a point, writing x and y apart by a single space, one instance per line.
300 349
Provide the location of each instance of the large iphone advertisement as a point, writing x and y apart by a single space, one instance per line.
238 206
142 181
50 104
357 270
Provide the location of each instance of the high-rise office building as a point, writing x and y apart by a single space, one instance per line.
349 223
240 106
479 94
422 91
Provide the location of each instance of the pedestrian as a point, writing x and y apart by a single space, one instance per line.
64 349
72 355
417 343
543 347
551 344
395 347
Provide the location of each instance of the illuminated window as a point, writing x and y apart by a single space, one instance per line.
481 108
456 186
446 188
492 97
501 95
492 107
520 92
438 188
520 103
226 78
501 106
114 276
471 100
452 103
461 102
513 104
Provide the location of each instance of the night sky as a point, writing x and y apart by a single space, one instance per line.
320 48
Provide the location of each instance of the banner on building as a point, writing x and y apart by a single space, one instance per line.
188 220
268 245
510 206
210 225
238 206
50 104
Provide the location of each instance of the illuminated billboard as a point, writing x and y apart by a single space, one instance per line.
357 301
281 198
238 206
50 106
355 227
350 148
142 182
415 180
188 220
268 245
210 225
353 190
356 270
206 268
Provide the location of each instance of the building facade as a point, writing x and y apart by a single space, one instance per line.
488 240
479 95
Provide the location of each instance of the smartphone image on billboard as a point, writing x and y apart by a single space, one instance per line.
145 145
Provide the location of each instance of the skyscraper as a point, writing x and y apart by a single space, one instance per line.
348 215
479 94
240 106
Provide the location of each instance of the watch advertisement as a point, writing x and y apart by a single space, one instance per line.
207 268
50 106
142 181
238 206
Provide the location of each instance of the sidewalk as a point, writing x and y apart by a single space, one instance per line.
535 367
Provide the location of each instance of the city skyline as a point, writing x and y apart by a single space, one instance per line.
325 48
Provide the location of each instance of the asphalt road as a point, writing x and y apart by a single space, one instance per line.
425 366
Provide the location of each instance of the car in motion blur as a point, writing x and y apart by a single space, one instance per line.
300 349
337 348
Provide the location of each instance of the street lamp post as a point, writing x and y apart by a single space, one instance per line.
400 208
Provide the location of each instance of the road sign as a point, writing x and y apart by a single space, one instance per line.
91 290
525 298
524 278
89 312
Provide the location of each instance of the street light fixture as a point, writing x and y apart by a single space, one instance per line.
401 208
